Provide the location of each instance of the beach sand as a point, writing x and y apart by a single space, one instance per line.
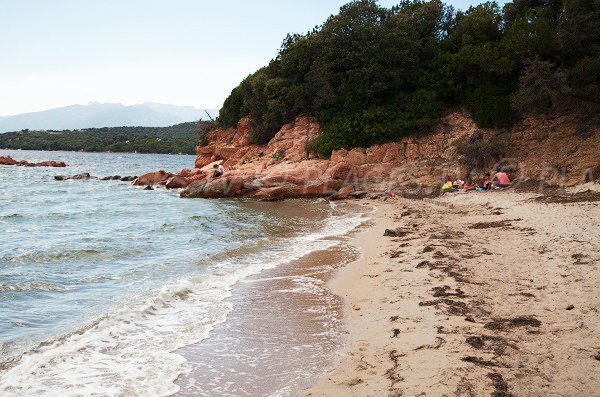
484 293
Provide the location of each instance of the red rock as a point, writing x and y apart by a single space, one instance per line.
342 171
321 188
281 179
7 160
196 177
345 191
153 178
221 187
278 193
177 182
185 173
410 160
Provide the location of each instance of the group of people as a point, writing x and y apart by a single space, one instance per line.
500 180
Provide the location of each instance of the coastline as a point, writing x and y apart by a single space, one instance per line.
284 324
478 295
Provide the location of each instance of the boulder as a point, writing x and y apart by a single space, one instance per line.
58 164
359 194
83 175
345 191
176 182
278 193
153 178
7 160
280 179
214 188
185 172
195 178
320 188
342 171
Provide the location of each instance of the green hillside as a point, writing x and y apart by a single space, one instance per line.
372 74
180 138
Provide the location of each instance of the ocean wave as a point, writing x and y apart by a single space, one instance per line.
32 286
12 216
53 256
139 342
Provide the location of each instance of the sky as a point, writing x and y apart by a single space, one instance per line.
182 52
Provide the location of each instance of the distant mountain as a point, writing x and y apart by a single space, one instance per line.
97 114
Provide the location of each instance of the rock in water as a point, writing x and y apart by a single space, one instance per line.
153 178
176 182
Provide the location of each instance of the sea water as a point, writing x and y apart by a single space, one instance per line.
102 283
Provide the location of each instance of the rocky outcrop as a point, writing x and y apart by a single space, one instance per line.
86 176
8 160
283 168
82 176
557 150
154 178
537 149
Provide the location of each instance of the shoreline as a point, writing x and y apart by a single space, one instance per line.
477 295
278 311
300 229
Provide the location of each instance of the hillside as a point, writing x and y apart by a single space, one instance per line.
179 138
372 75
97 115
382 100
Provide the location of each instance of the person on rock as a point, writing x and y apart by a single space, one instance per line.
218 170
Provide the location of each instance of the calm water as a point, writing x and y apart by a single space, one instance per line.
102 283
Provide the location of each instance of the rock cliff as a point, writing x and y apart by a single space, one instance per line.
550 149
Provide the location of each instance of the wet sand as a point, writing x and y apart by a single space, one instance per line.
283 333
479 294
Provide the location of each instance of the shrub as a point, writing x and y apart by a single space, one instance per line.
278 155
311 146
480 153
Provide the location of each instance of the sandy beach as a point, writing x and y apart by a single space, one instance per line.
477 294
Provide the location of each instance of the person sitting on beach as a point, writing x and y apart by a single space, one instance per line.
447 183
486 182
501 180
468 184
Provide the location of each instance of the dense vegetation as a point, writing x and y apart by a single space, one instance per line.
180 138
372 74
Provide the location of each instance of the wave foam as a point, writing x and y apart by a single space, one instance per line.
133 350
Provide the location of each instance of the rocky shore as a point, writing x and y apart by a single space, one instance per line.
549 149
8 160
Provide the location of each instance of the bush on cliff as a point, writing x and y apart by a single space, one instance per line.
480 153
372 74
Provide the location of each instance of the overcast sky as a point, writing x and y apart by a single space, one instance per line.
182 52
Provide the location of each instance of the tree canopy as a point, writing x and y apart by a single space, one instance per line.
180 138
372 74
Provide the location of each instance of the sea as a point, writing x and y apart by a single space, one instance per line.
107 289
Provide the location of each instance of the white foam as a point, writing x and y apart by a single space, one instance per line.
133 351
